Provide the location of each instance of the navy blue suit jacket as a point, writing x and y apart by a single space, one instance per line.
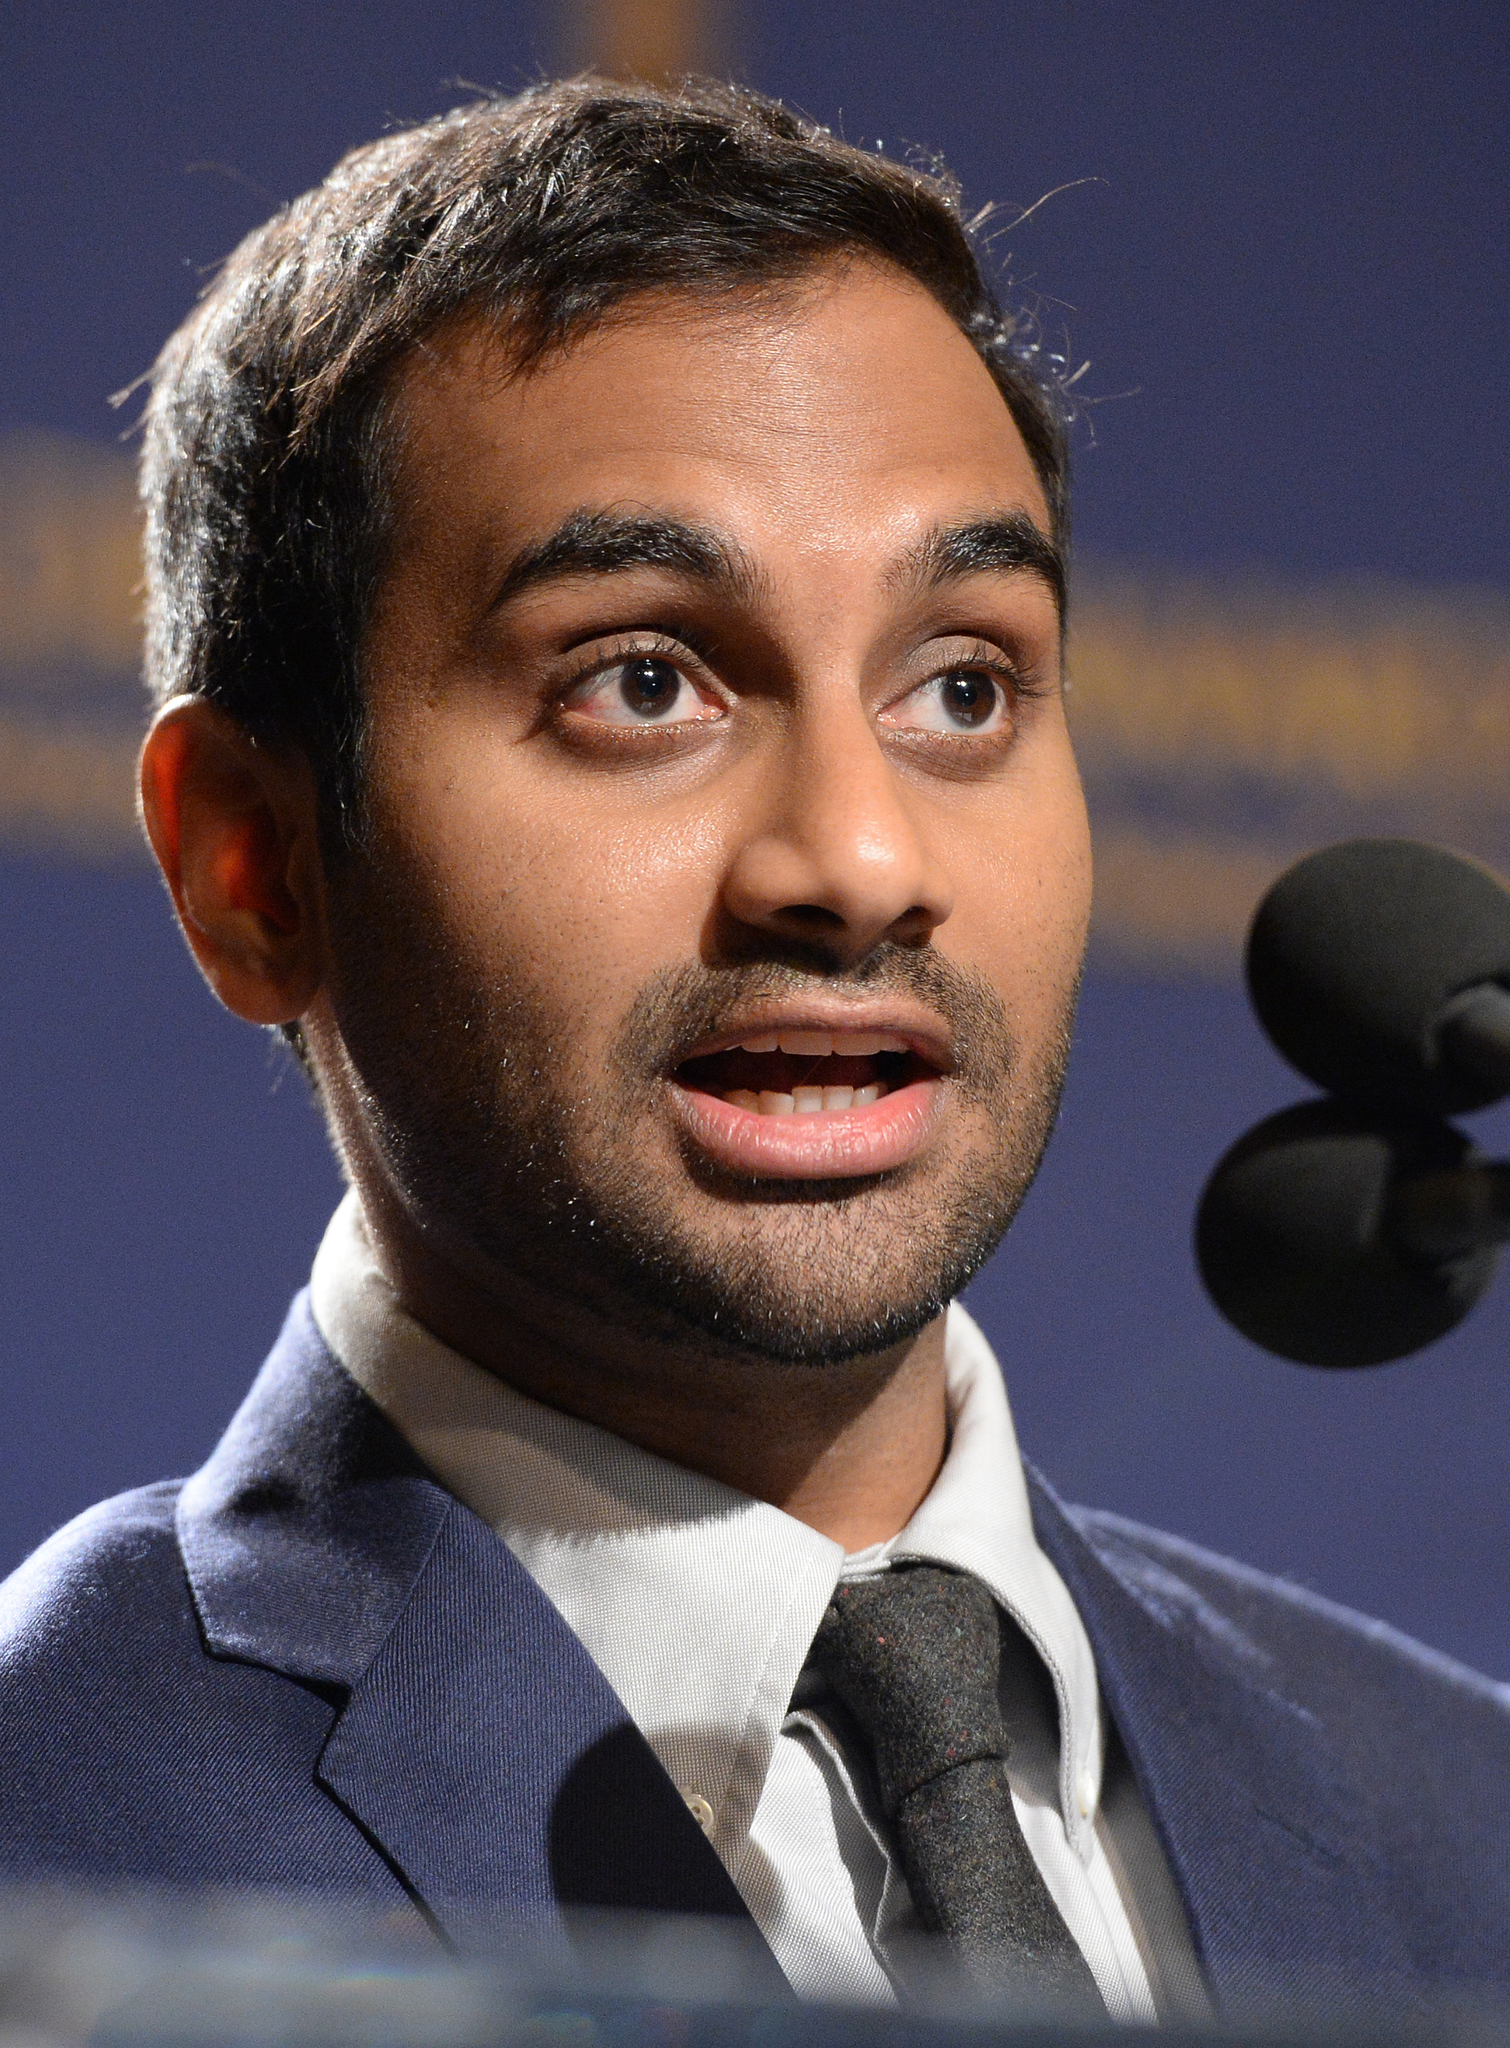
309 1666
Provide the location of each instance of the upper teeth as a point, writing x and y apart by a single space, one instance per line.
822 1045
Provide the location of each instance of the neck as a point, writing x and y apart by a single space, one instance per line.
851 1449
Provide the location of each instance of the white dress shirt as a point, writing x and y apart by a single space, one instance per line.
700 1604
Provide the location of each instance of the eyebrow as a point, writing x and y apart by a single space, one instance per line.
605 543
601 543
1001 541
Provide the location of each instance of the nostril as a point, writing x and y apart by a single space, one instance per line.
813 917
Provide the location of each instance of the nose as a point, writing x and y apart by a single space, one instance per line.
835 856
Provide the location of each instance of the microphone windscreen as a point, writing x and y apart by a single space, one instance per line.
1355 952
1293 1242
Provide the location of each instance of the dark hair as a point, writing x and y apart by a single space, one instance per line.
268 459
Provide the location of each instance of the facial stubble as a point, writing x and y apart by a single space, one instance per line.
461 1076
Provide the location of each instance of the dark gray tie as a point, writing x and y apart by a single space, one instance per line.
914 1655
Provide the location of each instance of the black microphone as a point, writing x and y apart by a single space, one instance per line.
1381 969
1352 1231
1336 1237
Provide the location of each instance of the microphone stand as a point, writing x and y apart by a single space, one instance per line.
1443 1215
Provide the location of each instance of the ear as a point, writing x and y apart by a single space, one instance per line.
234 825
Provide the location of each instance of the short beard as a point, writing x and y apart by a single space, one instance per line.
461 1087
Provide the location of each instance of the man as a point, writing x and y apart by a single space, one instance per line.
606 586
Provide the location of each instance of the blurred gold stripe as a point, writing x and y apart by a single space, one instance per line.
68 789
70 558
658 41
1178 905
1369 691
1223 728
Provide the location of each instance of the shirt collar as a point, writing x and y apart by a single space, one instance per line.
651 1563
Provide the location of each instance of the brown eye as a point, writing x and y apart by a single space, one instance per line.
968 698
962 700
642 689
648 686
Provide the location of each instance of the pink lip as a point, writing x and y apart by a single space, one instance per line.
837 1144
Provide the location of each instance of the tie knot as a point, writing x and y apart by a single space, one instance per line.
914 1655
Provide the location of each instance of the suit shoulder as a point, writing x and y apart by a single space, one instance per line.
128 1752
1280 1624
117 1561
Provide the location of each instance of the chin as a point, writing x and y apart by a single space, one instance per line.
806 1284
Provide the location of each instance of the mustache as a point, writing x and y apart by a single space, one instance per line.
681 1006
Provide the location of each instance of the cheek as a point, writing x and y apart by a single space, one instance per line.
562 886
1023 899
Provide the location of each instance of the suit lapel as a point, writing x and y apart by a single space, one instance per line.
1270 1845
485 1754
489 1756
477 1744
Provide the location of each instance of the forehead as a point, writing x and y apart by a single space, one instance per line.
841 412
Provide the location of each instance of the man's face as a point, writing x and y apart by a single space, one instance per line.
713 951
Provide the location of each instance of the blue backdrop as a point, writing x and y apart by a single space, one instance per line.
1289 270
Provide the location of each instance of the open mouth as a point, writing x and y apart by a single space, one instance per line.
805 1103
806 1073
